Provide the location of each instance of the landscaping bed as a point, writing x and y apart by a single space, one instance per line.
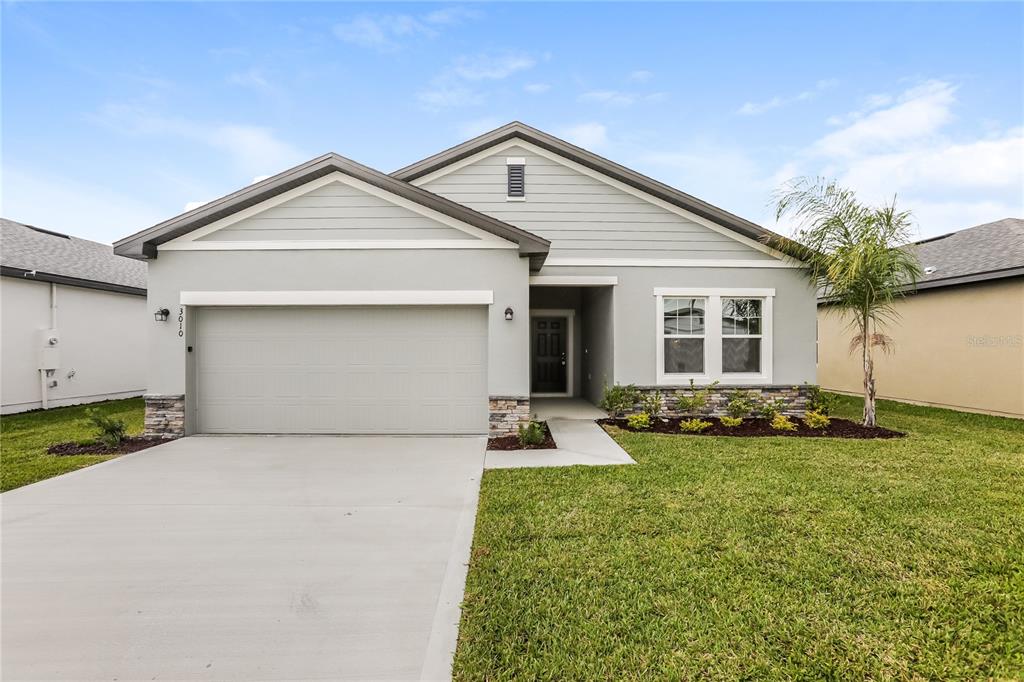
837 428
130 444
513 442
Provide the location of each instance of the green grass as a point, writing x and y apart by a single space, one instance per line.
25 437
768 558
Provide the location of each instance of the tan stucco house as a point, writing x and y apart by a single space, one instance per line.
959 337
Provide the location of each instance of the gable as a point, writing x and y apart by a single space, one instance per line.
584 214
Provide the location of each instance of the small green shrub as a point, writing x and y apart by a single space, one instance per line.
821 401
641 421
531 434
740 404
696 401
110 431
694 425
816 420
782 423
652 404
730 422
619 399
769 408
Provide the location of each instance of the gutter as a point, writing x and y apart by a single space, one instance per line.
35 275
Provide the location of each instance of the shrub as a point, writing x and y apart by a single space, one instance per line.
110 431
652 404
696 401
816 420
694 425
740 404
770 408
730 422
640 421
531 433
782 423
619 399
821 401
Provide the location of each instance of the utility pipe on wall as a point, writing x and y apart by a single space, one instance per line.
43 388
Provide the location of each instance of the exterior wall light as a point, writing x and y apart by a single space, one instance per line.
509 313
161 314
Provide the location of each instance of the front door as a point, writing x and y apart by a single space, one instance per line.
550 359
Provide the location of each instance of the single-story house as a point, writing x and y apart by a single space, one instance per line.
959 338
333 298
74 320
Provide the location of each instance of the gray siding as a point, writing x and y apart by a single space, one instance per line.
336 211
598 335
582 216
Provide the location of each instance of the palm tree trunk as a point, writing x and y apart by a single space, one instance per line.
869 374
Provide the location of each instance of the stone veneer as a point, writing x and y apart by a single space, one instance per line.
506 414
165 416
795 397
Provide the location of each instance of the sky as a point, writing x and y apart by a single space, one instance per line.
118 116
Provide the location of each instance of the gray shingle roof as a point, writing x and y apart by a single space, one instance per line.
28 248
976 253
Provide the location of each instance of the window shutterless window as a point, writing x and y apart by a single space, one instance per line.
684 331
741 335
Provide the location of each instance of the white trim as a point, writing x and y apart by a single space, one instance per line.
508 198
558 158
515 161
570 322
668 263
334 298
713 336
299 245
573 280
339 177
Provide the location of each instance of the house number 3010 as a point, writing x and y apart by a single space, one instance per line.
181 322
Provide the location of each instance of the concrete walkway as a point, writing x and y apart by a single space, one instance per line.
580 441
243 558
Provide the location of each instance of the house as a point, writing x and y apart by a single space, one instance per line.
74 320
333 298
959 339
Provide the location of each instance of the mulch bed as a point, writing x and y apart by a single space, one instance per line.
839 428
512 442
130 444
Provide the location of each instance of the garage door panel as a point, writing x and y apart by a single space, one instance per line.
342 370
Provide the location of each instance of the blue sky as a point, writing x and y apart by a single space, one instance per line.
117 116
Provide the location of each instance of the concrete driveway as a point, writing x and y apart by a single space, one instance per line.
243 558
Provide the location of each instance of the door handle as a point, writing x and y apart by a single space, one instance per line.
563 359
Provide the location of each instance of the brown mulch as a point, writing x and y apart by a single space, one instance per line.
512 442
839 428
130 444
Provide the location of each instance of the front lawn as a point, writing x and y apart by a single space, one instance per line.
25 437
778 558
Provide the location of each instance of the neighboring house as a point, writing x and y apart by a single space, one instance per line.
332 298
74 320
959 340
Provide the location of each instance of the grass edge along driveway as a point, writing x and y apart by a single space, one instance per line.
770 558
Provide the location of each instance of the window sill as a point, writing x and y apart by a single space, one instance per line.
515 198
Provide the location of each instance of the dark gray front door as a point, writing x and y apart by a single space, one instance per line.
548 336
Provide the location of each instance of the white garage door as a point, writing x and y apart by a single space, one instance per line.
342 370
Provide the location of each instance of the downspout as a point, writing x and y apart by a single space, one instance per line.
43 389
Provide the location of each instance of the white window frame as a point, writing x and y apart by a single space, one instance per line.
746 376
713 336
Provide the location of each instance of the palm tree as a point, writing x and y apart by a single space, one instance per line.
856 255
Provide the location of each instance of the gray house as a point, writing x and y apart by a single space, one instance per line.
333 298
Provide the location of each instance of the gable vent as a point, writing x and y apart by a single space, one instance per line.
516 180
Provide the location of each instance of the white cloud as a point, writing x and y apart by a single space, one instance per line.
448 96
387 32
536 88
491 66
455 86
587 135
756 108
619 98
479 126
640 76
251 78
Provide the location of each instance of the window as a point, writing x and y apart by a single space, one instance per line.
714 335
741 335
684 329
516 170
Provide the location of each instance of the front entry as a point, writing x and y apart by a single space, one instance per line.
550 340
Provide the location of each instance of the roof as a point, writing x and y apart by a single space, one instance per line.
600 164
56 257
984 252
143 244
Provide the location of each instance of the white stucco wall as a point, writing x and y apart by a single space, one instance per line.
102 345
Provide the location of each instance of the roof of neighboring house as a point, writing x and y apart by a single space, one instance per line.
143 244
984 252
34 253
583 157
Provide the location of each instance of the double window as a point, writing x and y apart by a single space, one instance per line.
709 335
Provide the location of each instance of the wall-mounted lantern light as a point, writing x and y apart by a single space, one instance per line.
161 314
508 313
